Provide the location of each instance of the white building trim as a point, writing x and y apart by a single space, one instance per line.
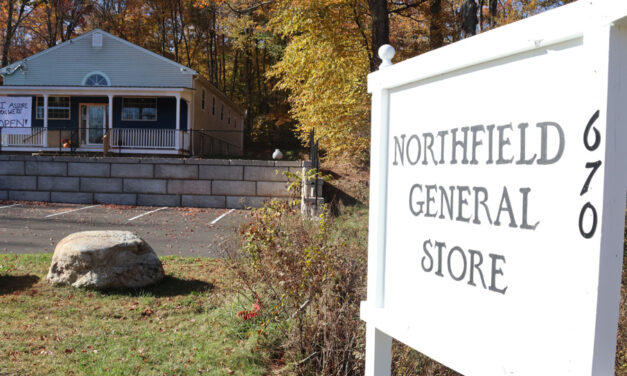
96 72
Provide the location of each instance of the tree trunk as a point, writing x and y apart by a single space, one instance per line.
469 18
436 39
8 34
11 28
234 74
493 10
380 30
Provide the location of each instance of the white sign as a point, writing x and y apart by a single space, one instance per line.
498 185
15 115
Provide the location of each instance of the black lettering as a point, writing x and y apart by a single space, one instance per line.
442 135
440 246
427 256
507 208
448 262
594 166
593 228
525 201
597 134
419 151
522 160
475 142
502 142
544 160
449 202
463 144
482 203
490 129
461 202
399 148
496 271
430 199
473 266
429 147
411 200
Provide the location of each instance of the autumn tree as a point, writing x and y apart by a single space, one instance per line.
294 65
125 18
55 21
324 68
12 14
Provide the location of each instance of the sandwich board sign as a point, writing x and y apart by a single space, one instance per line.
498 183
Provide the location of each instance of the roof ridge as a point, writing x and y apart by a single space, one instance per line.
84 35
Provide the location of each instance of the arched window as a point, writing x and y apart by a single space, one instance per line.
96 79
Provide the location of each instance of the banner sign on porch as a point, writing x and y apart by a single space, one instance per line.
498 185
15 115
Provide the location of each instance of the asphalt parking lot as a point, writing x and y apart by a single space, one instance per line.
38 227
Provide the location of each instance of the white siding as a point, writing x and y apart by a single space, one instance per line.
123 64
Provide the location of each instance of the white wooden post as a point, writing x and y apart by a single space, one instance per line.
188 133
110 111
611 62
378 344
191 111
45 120
378 352
177 135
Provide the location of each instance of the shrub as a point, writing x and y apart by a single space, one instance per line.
309 277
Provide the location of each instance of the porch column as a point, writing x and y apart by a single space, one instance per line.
189 112
188 133
177 137
110 111
45 120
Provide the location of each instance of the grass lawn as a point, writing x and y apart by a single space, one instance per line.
185 325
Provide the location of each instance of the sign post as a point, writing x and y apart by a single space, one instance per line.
497 202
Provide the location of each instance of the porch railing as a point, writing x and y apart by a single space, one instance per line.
22 137
143 138
200 142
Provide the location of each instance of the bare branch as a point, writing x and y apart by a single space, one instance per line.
403 6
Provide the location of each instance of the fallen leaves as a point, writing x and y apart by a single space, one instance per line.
147 312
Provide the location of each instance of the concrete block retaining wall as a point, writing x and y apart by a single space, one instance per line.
215 183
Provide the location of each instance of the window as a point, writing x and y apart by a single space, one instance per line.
235 123
96 79
139 109
222 113
202 104
229 120
58 108
213 106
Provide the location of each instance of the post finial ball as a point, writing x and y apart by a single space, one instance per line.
386 53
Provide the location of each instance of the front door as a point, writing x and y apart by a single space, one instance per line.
93 123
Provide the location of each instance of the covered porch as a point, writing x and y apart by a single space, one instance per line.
92 119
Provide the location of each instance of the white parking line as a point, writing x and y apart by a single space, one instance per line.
150 212
222 216
9 206
70 211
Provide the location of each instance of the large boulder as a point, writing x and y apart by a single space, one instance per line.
104 259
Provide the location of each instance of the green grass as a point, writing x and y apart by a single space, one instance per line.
185 325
